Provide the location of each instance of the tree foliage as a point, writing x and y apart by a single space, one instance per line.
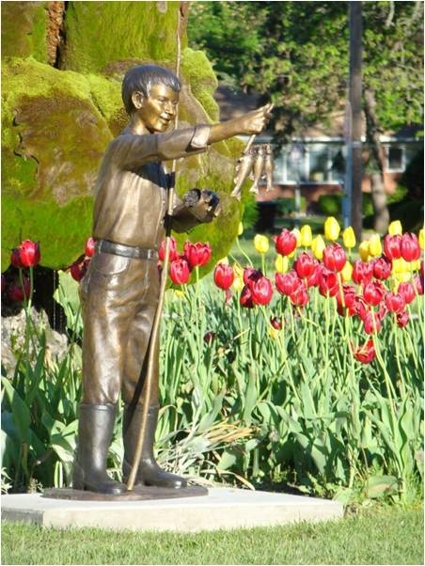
298 53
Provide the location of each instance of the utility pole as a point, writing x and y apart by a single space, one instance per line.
354 143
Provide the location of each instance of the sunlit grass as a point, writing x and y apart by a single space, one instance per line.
379 536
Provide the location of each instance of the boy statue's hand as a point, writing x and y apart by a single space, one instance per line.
204 204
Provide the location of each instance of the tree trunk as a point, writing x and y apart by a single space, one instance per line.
379 201
355 95
379 196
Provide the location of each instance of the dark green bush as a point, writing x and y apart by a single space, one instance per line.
330 205
410 213
250 214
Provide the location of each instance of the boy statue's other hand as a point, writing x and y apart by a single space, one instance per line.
203 203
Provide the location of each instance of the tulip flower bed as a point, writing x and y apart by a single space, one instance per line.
311 372
319 364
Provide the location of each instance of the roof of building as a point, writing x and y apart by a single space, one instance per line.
235 103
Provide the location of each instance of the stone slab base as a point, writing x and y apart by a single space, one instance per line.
222 508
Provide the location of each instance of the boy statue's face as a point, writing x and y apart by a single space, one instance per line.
158 109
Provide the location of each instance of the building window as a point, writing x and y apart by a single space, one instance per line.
325 162
396 159
308 163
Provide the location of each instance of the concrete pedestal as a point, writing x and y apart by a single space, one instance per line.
221 508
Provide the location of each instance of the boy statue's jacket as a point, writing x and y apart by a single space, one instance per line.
131 191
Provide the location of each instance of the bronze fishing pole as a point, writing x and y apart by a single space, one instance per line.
157 320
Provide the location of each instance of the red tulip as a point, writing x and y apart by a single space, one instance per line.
394 302
179 271
382 310
300 296
209 337
90 247
392 246
359 307
262 291
346 299
334 257
381 267
246 298
366 353
409 246
26 255
79 269
372 322
407 290
287 283
223 276
305 265
286 242
250 275
15 258
173 253
402 319
328 283
313 280
197 254
19 293
276 323
418 284
373 293
362 271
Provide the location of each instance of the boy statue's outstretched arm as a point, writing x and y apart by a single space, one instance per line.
198 206
251 123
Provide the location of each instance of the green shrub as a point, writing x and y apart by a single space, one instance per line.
330 205
250 214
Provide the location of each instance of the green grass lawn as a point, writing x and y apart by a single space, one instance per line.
387 535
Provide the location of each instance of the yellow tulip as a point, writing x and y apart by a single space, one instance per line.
238 269
349 237
415 265
332 228
306 236
297 234
224 260
347 271
318 246
375 245
395 228
281 263
400 265
261 244
240 229
364 250
178 293
421 238
238 282
273 333
402 276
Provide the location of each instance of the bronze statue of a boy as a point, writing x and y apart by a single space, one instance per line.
121 288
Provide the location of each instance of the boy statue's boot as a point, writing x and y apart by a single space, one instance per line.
148 473
95 428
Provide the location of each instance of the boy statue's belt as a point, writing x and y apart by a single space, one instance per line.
107 247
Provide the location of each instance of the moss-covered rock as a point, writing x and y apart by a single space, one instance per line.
24 30
58 122
53 139
100 32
